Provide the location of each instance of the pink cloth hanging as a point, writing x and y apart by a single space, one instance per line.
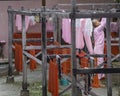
29 20
66 30
83 31
87 35
114 26
80 24
49 25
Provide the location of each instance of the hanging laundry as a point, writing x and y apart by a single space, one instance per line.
49 24
29 20
33 64
114 26
84 29
87 34
18 57
80 24
53 83
66 30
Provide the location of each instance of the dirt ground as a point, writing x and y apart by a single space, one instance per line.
34 81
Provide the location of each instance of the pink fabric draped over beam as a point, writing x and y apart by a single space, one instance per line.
49 25
29 20
84 29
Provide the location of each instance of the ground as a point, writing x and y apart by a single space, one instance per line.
34 81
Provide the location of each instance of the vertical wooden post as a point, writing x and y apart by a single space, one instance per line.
73 49
109 62
10 78
44 51
24 91
43 2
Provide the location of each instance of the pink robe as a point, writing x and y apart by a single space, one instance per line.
83 31
114 26
87 35
49 25
29 20
66 30
99 41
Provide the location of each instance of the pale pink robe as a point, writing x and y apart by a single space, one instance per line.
66 30
83 31
114 26
99 42
29 20
87 34
49 25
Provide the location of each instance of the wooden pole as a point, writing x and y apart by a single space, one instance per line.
43 2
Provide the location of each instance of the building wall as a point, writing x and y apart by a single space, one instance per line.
27 4
86 1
